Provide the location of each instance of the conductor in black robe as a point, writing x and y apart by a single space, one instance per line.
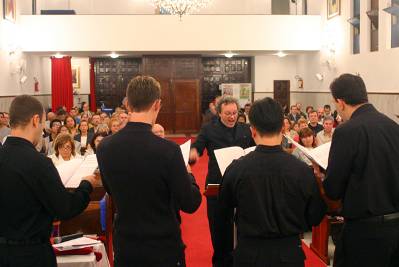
276 197
148 182
31 191
363 172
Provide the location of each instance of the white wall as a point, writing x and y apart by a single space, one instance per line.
167 33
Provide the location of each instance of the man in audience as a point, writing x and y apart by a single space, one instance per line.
6 119
95 122
31 191
85 109
326 134
301 113
363 171
158 130
314 123
148 181
225 132
294 116
327 111
4 130
274 203
320 114
247 108
124 118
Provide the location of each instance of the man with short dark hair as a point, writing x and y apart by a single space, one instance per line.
224 132
31 191
294 114
148 181
276 197
363 172
314 123
327 111
326 134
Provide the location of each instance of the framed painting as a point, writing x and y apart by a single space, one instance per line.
333 8
9 10
76 77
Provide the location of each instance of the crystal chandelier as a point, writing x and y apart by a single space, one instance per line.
180 7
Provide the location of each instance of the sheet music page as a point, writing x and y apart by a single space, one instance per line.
185 150
86 168
225 156
67 169
319 154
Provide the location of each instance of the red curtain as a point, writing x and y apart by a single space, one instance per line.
61 83
92 101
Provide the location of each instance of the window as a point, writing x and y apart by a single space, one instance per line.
373 16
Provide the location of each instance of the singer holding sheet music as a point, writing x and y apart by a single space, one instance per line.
221 133
276 197
148 181
363 171
31 191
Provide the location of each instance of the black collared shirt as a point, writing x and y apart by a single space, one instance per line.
32 194
276 195
148 181
216 135
363 168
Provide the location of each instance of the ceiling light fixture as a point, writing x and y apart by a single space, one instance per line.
229 54
114 55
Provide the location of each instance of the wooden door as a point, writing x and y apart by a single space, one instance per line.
187 106
282 93
166 114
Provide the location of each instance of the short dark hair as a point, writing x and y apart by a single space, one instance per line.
54 121
327 106
266 116
142 92
93 140
23 108
293 106
350 88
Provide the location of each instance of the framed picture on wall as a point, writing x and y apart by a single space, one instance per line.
76 77
333 8
9 10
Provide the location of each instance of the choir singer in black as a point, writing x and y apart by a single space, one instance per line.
148 182
363 171
31 192
276 197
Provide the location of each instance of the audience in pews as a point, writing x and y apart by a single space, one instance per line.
276 198
32 194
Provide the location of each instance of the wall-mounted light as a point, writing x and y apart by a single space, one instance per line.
229 54
319 76
114 55
281 54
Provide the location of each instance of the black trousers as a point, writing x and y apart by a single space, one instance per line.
40 255
218 258
282 252
368 244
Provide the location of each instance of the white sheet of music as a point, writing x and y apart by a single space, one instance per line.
225 156
73 171
185 150
319 154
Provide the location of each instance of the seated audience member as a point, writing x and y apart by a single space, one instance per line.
320 114
306 139
85 117
64 149
247 108
302 123
295 127
55 126
286 144
325 135
308 110
327 111
294 116
84 137
123 118
63 130
61 115
210 114
241 118
314 124
6 117
4 130
95 141
276 198
95 121
103 117
85 109
114 125
158 130
50 117
70 123
301 113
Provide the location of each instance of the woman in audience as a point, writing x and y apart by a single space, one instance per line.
103 128
306 139
70 123
287 131
84 137
114 125
242 118
64 149
64 130
97 137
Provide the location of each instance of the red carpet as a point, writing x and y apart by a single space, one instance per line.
195 226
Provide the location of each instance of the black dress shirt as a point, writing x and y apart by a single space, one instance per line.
363 166
316 129
148 182
276 196
32 194
216 135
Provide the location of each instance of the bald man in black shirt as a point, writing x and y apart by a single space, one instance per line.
276 197
31 192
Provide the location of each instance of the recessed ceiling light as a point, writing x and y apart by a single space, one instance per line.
114 55
280 54
229 54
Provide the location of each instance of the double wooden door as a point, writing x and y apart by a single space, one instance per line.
180 112
281 93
